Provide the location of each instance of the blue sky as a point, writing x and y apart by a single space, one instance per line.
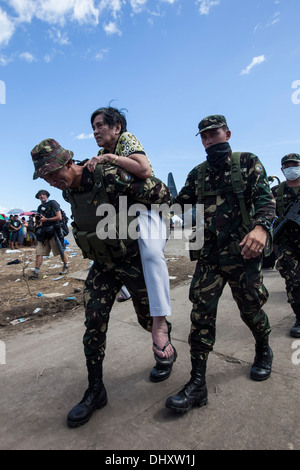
169 63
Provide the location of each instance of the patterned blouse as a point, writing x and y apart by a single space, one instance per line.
126 146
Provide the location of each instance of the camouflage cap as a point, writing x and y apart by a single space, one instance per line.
211 122
48 156
291 157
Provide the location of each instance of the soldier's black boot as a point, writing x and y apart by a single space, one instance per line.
194 393
163 367
262 365
95 397
295 330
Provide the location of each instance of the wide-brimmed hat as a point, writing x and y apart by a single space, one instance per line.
48 156
42 191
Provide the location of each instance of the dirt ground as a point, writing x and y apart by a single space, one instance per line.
61 295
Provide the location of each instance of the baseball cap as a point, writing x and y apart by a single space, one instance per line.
291 157
211 122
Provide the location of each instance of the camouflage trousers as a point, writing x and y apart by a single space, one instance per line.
289 269
101 287
248 290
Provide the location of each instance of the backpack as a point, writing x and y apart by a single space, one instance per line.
30 226
64 223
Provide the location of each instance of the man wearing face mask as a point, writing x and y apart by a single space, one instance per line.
229 253
288 241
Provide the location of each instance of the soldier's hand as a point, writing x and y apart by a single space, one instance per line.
254 242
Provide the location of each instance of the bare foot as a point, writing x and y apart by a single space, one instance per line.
160 338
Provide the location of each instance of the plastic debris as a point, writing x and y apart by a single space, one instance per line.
40 294
70 298
36 310
19 320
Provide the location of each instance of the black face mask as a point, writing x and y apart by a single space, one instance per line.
217 154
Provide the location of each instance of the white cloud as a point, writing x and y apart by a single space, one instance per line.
84 136
101 54
275 19
206 5
57 36
7 28
255 61
85 12
27 56
111 28
4 60
137 5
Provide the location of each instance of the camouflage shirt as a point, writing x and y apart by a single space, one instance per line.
291 231
119 182
222 214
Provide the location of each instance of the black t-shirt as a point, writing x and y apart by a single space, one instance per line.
49 209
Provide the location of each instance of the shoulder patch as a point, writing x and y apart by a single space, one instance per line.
258 168
126 177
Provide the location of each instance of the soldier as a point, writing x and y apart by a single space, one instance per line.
288 242
116 261
229 253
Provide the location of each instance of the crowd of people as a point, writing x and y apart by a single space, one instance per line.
18 232
240 214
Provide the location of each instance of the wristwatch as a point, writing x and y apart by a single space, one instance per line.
265 225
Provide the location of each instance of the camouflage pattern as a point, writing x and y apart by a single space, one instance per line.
291 157
218 262
48 156
211 122
222 213
248 290
101 287
288 250
119 182
106 278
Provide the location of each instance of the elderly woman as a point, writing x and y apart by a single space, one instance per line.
120 147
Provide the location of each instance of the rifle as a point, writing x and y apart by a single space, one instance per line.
292 213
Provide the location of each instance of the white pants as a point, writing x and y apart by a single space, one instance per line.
152 241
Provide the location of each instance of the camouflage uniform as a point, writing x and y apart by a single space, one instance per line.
106 278
219 261
288 244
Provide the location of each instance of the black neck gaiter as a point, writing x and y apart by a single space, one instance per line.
217 154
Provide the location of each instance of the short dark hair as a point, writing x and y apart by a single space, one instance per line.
111 116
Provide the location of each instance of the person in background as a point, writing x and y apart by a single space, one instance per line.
287 245
23 231
30 231
48 233
15 227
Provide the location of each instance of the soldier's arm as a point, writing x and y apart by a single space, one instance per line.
188 194
264 211
262 197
